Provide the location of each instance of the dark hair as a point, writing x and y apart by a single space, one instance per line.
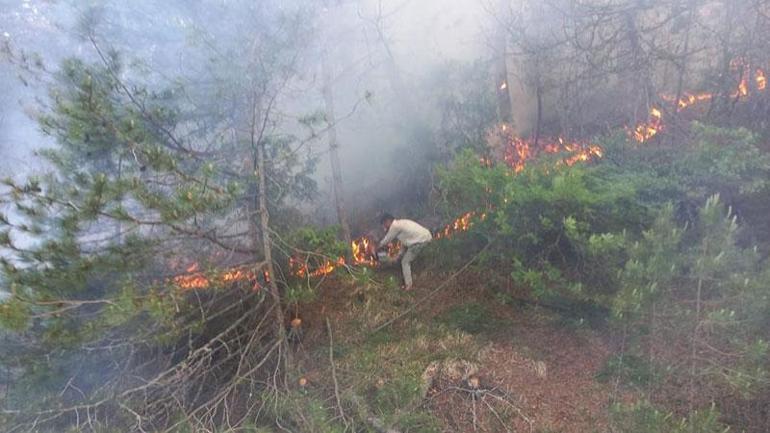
386 217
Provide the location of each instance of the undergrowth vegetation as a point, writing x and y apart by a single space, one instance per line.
663 238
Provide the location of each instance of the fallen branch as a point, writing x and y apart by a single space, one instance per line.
334 374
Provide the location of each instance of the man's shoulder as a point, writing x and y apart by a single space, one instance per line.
409 223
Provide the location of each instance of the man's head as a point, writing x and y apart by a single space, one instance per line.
386 220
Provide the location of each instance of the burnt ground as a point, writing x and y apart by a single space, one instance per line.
477 362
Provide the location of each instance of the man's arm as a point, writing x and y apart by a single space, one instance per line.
392 232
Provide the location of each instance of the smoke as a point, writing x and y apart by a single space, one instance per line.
401 49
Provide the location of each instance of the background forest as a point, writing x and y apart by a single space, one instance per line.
187 245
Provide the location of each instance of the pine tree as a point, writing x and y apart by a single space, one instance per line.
141 186
700 300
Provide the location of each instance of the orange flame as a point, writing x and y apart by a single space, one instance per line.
743 88
516 152
761 80
461 224
194 279
363 252
688 99
645 131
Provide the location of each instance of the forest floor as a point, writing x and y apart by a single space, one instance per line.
463 361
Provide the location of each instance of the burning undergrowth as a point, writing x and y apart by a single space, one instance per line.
752 80
504 147
308 264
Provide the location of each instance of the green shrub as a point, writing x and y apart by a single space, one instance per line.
547 223
695 287
321 242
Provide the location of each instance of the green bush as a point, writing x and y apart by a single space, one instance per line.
563 231
322 242
695 287
548 224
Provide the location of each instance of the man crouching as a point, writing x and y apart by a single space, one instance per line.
413 238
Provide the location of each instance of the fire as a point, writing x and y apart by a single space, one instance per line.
461 224
761 80
363 252
688 99
304 269
645 131
743 88
515 151
194 279
394 249
327 267
584 155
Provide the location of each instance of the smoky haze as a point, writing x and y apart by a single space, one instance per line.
372 46
191 194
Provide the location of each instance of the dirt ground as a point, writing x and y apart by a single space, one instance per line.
548 371
532 372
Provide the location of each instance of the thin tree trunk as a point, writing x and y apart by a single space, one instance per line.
504 105
258 144
338 191
694 347
264 220
640 67
684 57
539 119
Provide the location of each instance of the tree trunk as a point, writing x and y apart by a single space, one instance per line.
258 144
640 67
539 118
504 105
337 189
684 57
